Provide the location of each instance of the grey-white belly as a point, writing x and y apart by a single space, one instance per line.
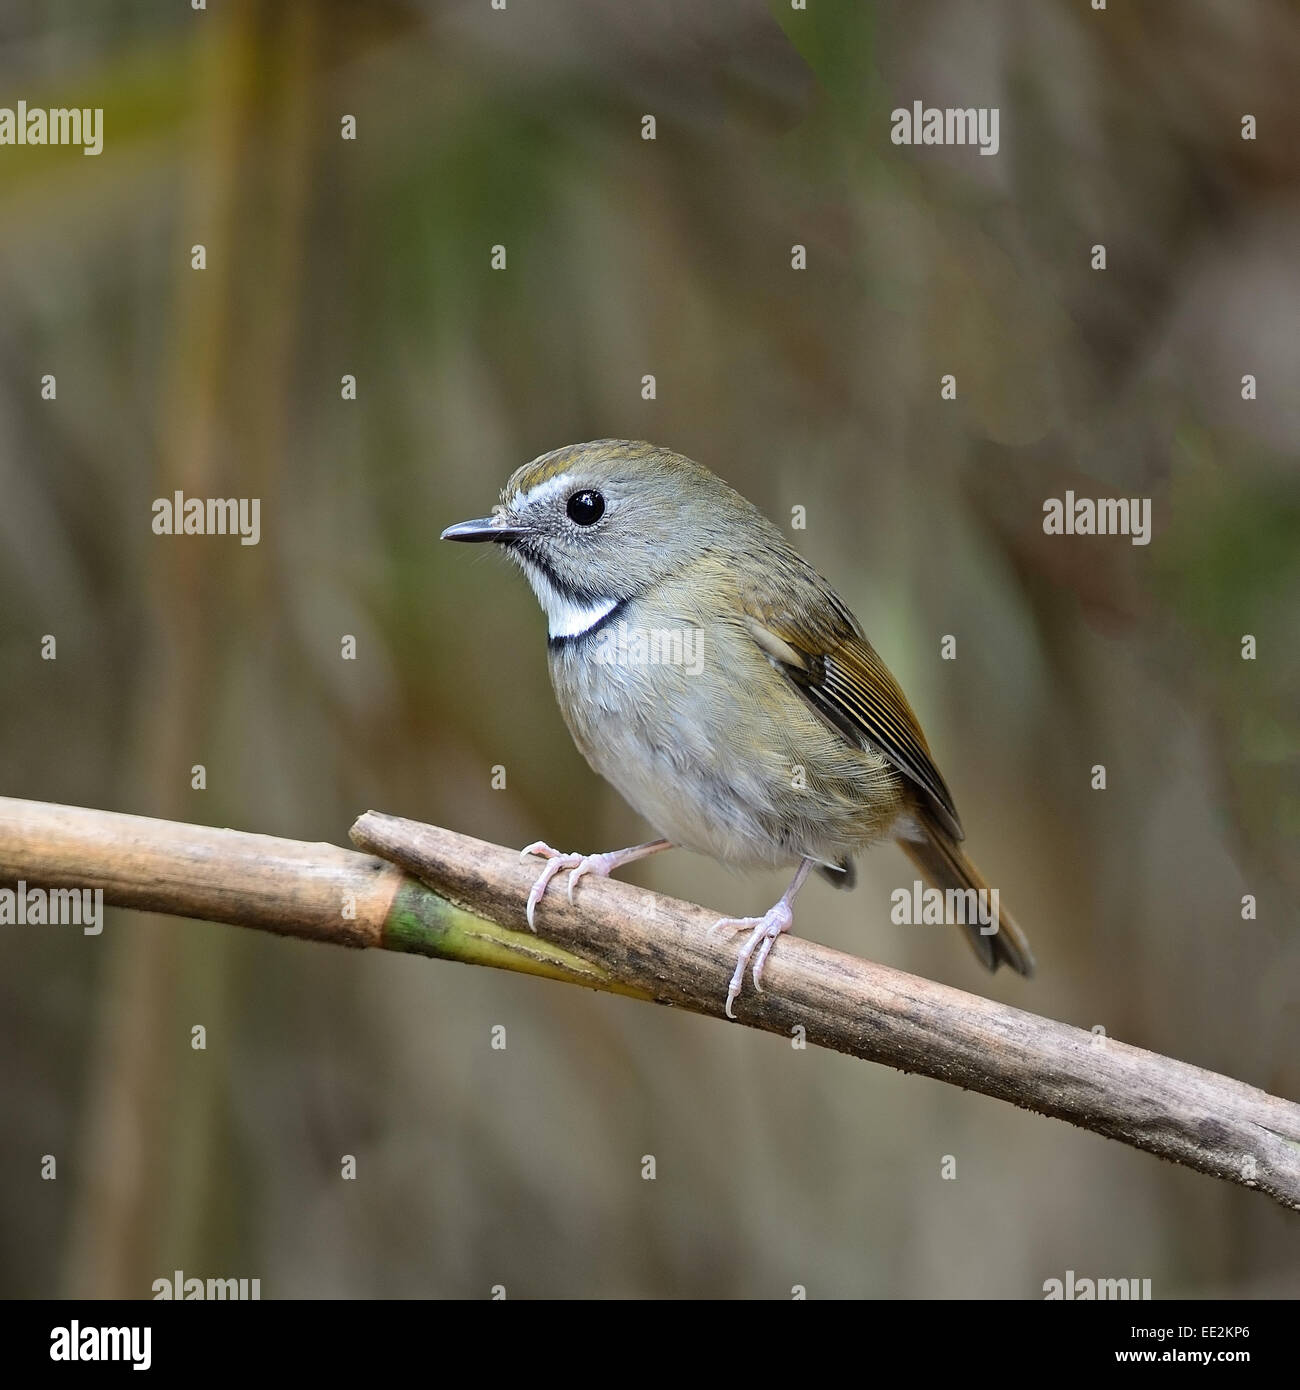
690 755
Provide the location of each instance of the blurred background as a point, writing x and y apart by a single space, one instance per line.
816 389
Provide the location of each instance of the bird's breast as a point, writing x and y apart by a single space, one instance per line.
686 718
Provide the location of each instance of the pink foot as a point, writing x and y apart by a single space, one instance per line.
762 937
602 865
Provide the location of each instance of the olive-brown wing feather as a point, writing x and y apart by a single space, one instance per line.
817 644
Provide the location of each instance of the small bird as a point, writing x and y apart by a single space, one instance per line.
712 676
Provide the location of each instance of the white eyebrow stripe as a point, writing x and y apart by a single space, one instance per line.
541 492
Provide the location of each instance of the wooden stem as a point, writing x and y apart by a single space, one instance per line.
463 899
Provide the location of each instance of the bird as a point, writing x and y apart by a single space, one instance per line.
711 675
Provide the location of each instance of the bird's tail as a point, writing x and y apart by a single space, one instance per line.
940 858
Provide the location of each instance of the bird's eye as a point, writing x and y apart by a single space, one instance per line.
586 507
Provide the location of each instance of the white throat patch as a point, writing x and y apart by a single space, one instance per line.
564 616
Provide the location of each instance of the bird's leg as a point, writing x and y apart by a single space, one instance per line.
765 931
602 865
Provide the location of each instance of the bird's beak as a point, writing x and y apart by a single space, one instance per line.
487 528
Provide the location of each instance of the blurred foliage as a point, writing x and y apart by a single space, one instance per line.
817 388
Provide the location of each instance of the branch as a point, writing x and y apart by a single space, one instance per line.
463 899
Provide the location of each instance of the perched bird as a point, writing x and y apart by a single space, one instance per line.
721 685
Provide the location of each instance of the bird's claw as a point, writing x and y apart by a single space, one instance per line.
763 933
557 861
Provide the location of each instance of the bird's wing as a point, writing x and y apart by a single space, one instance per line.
806 631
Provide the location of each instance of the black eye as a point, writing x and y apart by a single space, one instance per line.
586 507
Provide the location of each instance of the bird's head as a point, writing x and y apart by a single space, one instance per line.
593 525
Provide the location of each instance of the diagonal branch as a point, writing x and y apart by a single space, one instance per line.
463 899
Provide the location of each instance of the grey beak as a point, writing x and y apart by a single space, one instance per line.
486 528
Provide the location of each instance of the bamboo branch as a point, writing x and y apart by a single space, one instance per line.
463 899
